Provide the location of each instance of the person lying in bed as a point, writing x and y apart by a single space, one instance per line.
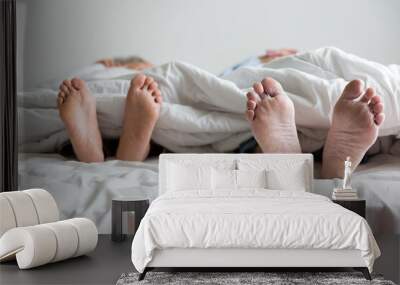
132 62
138 63
356 119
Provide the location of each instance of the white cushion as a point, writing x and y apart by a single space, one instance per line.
67 237
23 208
293 180
45 205
34 244
27 208
251 179
224 179
86 229
7 220
40 244
283 163
183 177
281 174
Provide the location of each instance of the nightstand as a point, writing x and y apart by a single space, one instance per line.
125 204
357 206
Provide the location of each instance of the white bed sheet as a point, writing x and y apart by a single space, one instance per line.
253 218
86 190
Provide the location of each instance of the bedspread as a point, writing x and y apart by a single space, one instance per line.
254 218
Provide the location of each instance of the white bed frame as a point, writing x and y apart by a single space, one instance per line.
242 259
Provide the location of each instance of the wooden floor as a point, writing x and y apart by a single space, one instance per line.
102 266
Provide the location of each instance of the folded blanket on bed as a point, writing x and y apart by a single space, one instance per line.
253 218
204 113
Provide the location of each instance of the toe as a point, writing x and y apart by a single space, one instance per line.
60 101
138 81
158 99
271 87
65 89
258 88
67 83
152 87
77 83
376 105
62 94
379 119
251 105
352 90
66 86
250 115
376 99
157 93
148 81
252 96
369 93
377 108
157 96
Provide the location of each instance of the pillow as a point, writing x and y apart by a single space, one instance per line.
227 179
292 179
251 179
281 174
224 179
183 177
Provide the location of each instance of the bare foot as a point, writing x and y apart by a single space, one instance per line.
142 109
356 118
78 111
271 115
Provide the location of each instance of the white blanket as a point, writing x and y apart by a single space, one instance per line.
87 189
204 113
251 219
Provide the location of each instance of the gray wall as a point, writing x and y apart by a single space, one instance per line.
61 35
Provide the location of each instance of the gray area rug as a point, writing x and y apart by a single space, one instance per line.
231 278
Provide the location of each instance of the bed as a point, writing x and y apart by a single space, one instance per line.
234 221
86 190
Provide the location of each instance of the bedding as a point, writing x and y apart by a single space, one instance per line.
86 190
204 113
251 218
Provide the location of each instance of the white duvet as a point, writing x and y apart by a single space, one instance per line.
250 219
204 113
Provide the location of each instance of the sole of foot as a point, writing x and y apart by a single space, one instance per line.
142 109
77 109
356 119
271 115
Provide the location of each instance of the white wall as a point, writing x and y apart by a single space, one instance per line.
61 35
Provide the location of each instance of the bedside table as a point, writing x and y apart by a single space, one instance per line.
125 204
357 206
